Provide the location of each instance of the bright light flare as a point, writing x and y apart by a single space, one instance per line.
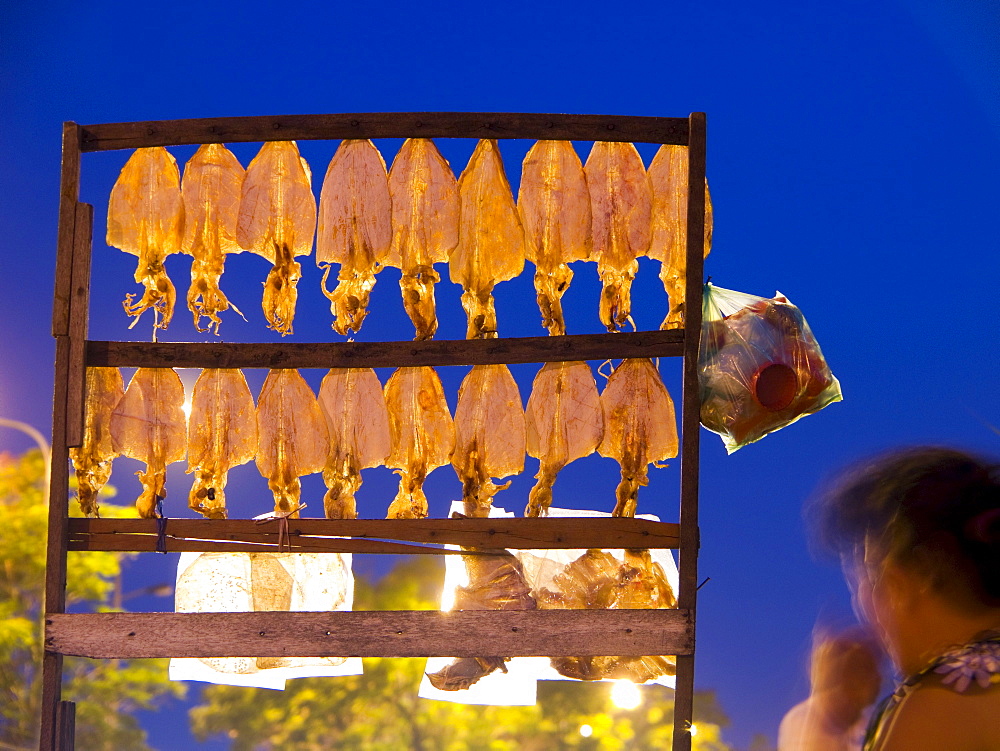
625 695
586 731
693 730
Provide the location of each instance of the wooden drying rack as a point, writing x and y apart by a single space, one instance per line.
365 634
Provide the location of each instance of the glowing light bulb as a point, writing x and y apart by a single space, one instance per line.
625 695
693 729
586 731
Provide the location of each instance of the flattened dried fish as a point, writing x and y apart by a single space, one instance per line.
564 421
423 436
213 180
491 247
555 207
425 216
92 460
292 437
358 419
639 426
222 434
489 435
278 221
355 228
145 218
621 200
148 424
668 175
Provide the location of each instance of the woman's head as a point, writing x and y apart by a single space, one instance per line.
931 511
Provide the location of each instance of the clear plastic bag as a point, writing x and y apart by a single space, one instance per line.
760 367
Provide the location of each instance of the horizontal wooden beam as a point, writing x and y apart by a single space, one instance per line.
401 536
386 354
407 633
109 136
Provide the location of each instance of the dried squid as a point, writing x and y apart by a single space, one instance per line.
425 214
668 175
355 228
423 436
92 460
491 245
489 435
639 426
145 218
292 437
222 434
563 421
278 221
354 406
620 202
496 582
148 424
213 180
555 208
597 580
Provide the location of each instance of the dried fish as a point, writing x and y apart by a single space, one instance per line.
491 247
222 434
213 180
358 420
148 424
92 460
564 422
423 436
555 207
278 221
425 217
620 202
489 435
145 218
639 426
355 228
668 175
292 437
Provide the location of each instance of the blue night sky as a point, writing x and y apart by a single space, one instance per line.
853 159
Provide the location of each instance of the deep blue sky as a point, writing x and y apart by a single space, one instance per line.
853 159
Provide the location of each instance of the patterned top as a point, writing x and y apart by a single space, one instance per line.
977 661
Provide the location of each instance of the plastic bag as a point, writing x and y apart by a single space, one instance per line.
760 367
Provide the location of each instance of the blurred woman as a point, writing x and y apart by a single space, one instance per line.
918 533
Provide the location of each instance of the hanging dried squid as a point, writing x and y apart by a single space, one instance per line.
278 220
639 426
148 424
423 436
564 422
353 404
489 435
355 228
211 187
425 218
668 174
92 460
292 437
145 218
555 207
491 245
222 434
620 202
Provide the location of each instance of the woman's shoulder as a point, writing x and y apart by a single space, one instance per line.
934 715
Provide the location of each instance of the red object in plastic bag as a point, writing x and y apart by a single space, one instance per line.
760 367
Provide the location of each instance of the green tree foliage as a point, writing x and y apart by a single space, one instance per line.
380 710
106 692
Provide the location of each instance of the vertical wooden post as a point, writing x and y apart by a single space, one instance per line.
52 723
690 423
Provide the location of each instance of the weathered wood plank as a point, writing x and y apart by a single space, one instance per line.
78 317
406 633
108 136
69 191
374 535
385 354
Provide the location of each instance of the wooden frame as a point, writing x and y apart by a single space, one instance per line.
397 633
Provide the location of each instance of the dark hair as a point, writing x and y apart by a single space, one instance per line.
919 501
